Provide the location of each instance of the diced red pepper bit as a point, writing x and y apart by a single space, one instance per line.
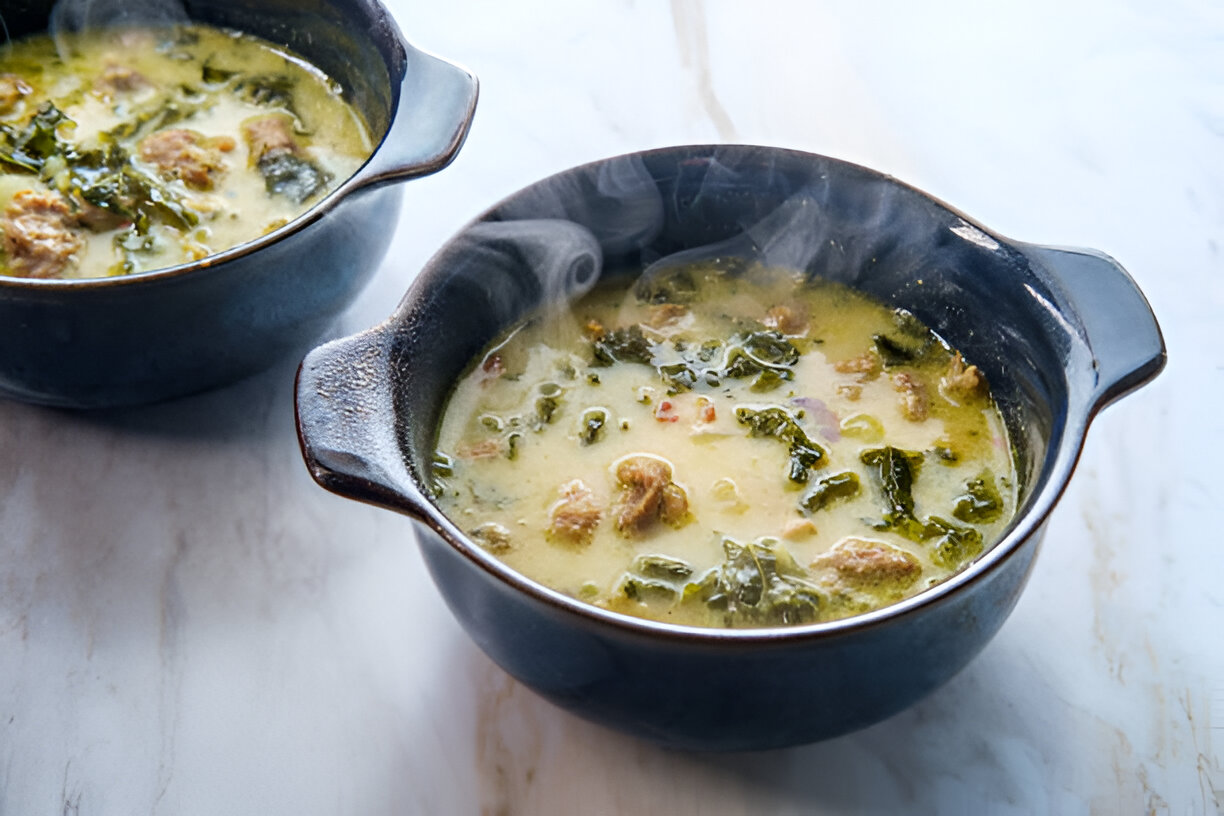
705 410
666 412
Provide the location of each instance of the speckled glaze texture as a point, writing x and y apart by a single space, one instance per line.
156 335
1041 322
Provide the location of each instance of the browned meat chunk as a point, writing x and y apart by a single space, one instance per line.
485 449
648 494
117 78
269 135
914 403
962 382
862 562
577 514
186 155
786 320
850 392
866 365
666 314
40 234
673 505
12 89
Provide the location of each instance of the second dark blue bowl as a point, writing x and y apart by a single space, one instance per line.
155 335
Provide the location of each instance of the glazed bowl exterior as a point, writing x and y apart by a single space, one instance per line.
151 336
1060 333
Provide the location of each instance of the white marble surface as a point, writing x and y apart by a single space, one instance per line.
188 625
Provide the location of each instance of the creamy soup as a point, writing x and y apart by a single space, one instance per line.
126 150
727 449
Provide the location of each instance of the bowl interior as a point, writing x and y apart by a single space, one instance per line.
352 41
782 208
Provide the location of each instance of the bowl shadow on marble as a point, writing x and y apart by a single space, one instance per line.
970 729
965 729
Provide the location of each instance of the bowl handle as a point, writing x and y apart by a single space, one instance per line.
346 424
1119 326
430 121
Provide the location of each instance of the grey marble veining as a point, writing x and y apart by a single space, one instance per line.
188 625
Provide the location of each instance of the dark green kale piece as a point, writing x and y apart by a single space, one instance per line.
661 567
981 502
162 114
670 285
212 75
624 345
758 584
267 90
103 176
106 178
838 486
765 354
909 343
27 149
292 176
547 404
777 422
951 544
655 579
594 420
647 591
895 470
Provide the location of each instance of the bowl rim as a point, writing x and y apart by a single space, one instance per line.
1060 457
396 71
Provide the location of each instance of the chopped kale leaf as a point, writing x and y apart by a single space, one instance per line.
832 488
981 502
625 345
29 148
268 90
758 584
292 176
661 567
766 355
106 179
777 422
672 285
593 422
893 352
214 75
647 591
655 579
953 544
895 470
911 341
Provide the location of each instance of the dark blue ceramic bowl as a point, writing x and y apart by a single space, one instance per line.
1060 333
174 331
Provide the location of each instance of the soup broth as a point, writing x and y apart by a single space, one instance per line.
727 448
126 150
